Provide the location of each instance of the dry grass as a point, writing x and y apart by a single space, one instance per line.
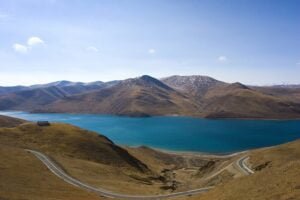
85 155
188 170
6 121
70 141
111 178
280 179
97 161
24 177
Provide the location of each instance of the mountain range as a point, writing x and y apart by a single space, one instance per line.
199 96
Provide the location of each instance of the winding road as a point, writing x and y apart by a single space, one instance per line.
54 168
242 165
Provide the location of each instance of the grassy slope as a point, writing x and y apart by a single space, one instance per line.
23 176
10 121
97 161
277 169
85 155
188 170
280 179
111 178
71 141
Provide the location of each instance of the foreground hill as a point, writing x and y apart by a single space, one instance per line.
86 156
6 121
276 177
69 141
22 176
96 160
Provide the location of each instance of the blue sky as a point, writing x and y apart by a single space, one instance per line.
251 41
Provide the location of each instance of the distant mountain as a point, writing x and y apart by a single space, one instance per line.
239 101
7 90
69 87
195 85
286 86
72 88
289 93
200 96
110 83
57 84
140 96
30 99
33 97
223 100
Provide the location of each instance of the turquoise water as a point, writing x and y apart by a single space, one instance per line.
180 133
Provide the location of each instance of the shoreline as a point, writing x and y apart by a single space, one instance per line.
4 112
202 154
195 153
190 153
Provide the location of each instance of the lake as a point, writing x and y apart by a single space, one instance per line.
180 133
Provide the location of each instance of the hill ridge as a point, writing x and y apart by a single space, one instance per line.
196 95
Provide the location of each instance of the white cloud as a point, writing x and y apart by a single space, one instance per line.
92 48
151 51
32 41
298 63
222 59
20 48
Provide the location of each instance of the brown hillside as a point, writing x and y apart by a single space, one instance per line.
70 141
182 95
30 99
199 96
95 160
239 101
277 176
23 176
291 94
135 97
6 121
